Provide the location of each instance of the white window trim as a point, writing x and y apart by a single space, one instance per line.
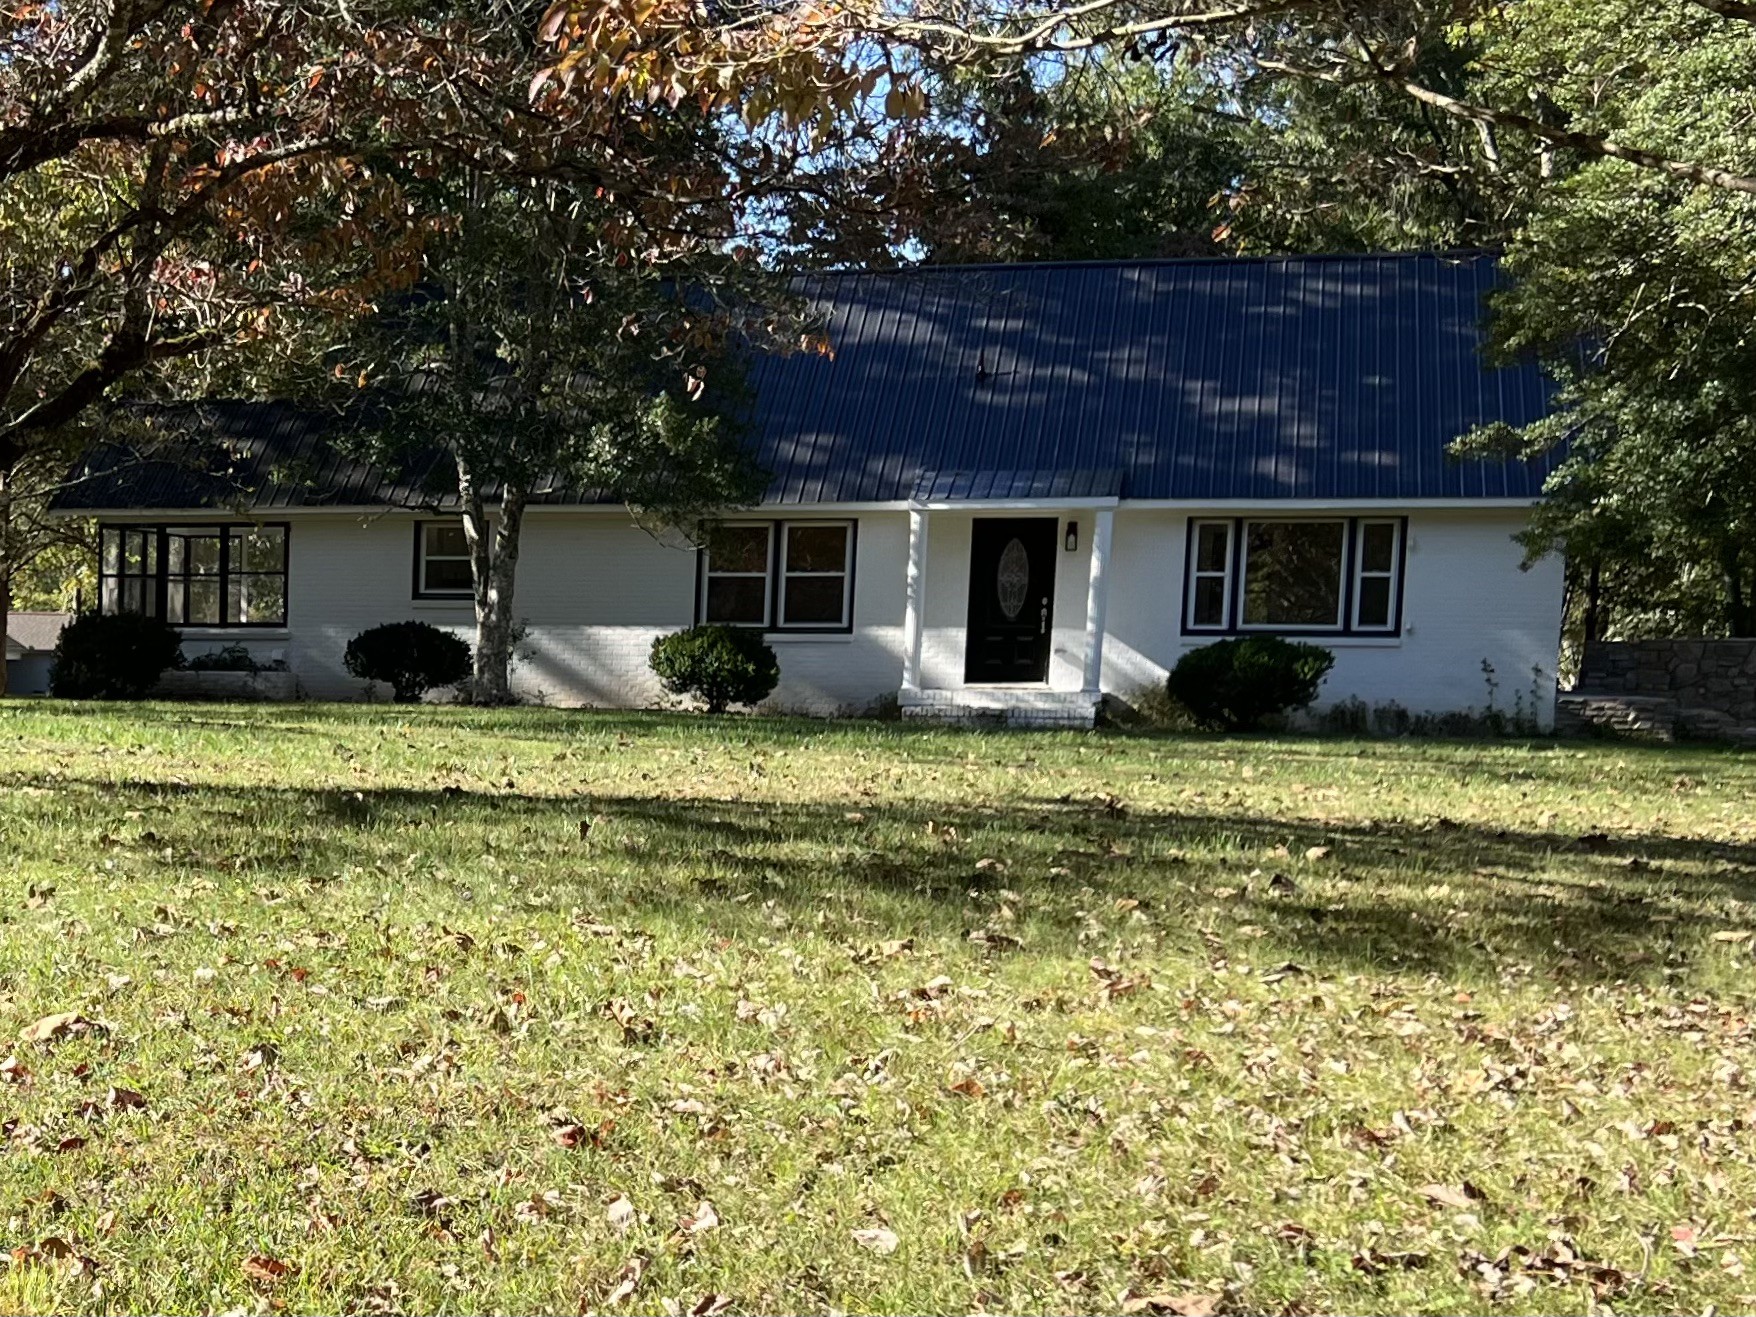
1225 574
767 575
1393 576
846 573
1341 581
422 558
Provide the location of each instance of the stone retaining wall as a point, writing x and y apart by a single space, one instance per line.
1699 674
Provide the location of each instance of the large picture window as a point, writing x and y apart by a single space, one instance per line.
1294 576
196 576
779 575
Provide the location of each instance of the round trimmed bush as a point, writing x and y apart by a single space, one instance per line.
719 665
411 658
1235 684
113 656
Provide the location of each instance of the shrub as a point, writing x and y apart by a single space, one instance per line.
232 658
720 665
1235 684
113 656
411 658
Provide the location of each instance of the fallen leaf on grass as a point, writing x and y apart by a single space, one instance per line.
266 1270
628 1280
705 1219
1733 935
620 1212
877 1239
1465 1197
51 1027
1196 1304
125 1099
1316 853
570 1136
710 1305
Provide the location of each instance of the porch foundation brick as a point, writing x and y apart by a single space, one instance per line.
1665 688
998 707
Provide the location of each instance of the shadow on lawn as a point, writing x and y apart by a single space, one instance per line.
1435 897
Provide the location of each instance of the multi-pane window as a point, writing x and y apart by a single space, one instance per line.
737 576
814 573
206 576
1210 574
128 570
779 575
442 564
1375 576
1295 575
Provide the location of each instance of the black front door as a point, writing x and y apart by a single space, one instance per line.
1011 600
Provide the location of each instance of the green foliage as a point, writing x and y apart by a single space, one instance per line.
1637 291
411 658
112 656
1236 684
720 665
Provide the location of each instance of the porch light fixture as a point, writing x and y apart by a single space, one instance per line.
1072 540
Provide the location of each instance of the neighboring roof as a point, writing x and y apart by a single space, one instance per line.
1339 377
34 633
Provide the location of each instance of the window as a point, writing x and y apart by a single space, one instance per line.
814 574
1210 575
207 576
1294 576
442 568
780 575
1375 578
737 575
128 570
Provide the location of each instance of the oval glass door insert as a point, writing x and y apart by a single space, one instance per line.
1012 580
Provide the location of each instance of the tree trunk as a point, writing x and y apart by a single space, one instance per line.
493 572
5 573
1594 594
1740 612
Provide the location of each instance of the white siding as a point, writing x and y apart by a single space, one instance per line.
595 590
1466 600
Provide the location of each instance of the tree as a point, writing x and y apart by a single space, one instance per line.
541 364
193 191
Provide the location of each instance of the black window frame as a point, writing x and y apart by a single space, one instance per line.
1235 583
161 581
775 583
417 588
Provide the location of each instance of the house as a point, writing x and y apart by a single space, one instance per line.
30 647
1007 491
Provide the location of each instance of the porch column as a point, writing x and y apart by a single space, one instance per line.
1097 600
914 612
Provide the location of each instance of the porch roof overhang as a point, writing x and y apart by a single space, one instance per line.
1018 487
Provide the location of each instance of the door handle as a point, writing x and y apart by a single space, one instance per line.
1043 618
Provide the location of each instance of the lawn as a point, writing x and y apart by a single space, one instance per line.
440 1010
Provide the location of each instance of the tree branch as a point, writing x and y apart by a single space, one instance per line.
1595 144
1731 9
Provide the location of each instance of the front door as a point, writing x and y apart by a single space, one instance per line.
1011 600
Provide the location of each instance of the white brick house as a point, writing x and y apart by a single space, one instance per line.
1009 489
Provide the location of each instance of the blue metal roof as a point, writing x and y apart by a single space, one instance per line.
1287 378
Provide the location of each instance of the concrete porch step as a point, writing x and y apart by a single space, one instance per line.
1008 706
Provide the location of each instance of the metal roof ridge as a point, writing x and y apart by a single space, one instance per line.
1153 262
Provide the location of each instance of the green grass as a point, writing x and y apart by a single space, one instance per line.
1084 1021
